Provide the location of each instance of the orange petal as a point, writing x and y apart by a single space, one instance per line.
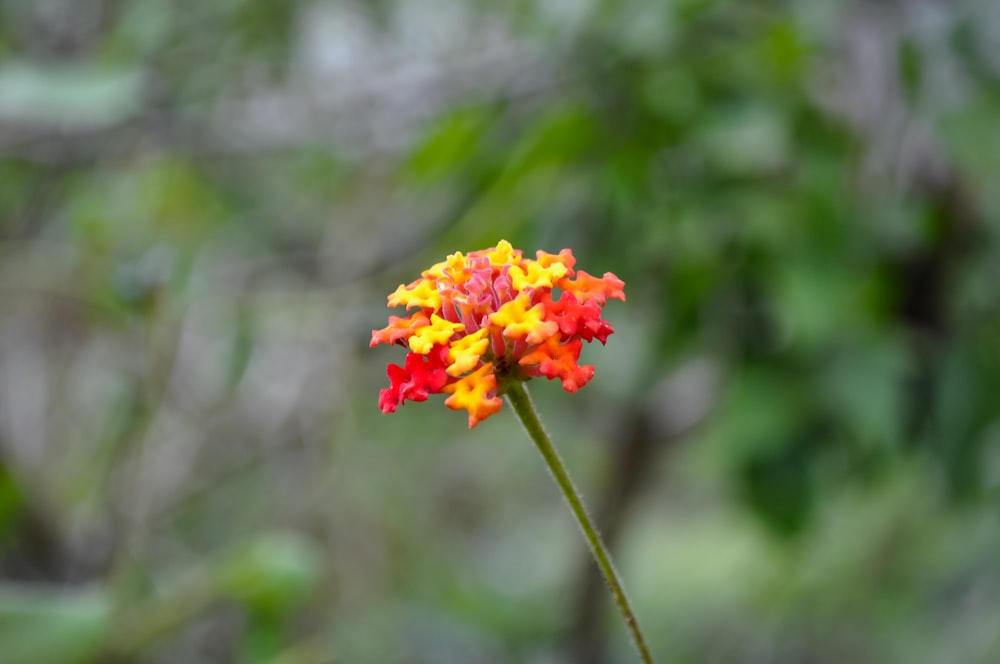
398 329
588 287
558 360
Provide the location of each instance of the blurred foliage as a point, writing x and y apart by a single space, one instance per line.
793 439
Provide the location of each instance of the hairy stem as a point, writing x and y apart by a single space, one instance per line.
520 401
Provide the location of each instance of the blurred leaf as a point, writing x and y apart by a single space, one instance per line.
272 572
264 640
864 384
910 67
242 347
78 96
785 50
162 200
483 606
57 626
973 139
766 434
144 26
760 412
265 28
819 302
556 138
777 484
451 143
10 501
965 410
747 141
672 93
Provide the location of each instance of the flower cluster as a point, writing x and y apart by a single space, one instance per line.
490 317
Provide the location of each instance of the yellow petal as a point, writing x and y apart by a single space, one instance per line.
466 352
518 321
440 331
421 293
476 394
535 275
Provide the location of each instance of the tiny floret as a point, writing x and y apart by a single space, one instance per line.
489 318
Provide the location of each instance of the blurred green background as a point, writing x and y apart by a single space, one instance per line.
792 441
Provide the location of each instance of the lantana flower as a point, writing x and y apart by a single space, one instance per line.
482 325
488 318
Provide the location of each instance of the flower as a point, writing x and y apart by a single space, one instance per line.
491 317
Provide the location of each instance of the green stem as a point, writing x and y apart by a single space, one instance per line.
519 399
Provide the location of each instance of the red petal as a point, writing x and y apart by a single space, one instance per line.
419 376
